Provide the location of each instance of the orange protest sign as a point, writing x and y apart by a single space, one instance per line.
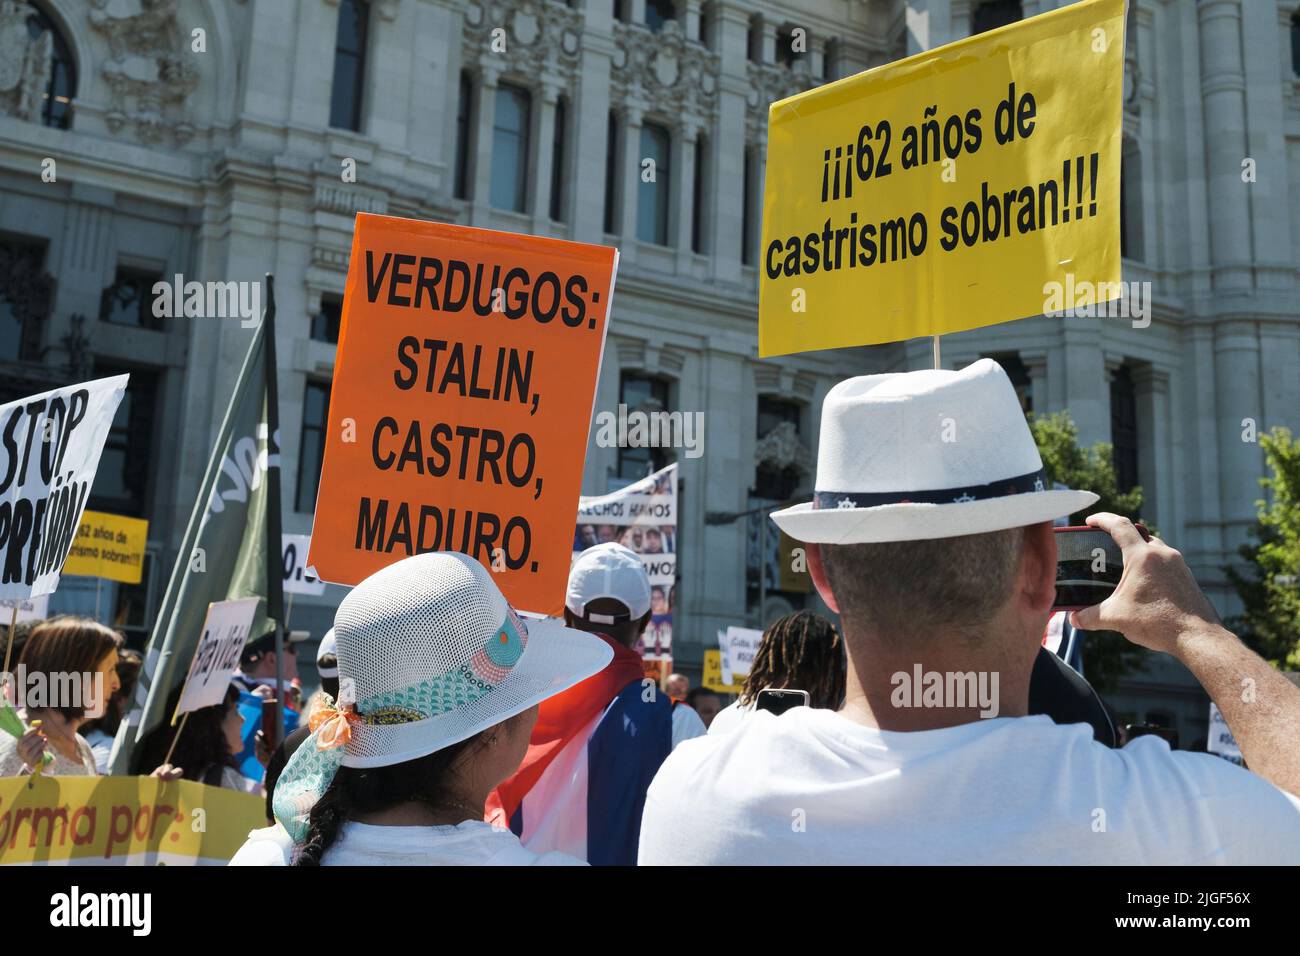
462 397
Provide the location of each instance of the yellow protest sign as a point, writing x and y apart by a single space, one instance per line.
961 187
713 674
122 820
108 546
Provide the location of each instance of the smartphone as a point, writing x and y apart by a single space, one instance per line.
1089 565
779 701
270 726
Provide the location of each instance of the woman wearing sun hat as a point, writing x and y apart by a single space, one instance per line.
439 685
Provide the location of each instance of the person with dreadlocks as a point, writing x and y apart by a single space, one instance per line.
801 651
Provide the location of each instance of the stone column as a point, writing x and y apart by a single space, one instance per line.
631 184
1036 366
817 50
1151 385
638 12
590 124
727 157
928 26
540 165
1086 383
1205 534
690 13
481 162
768 49
1236 375
1223 85
684 180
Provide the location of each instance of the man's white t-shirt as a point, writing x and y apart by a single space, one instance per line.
729 718
811 787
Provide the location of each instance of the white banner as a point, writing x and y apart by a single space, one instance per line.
29 609
298 578
49 450
738 645
642 517
1220 740
225 631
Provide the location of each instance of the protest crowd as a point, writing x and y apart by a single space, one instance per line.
498 683
452 730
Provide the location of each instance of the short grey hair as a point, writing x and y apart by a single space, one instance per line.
945 585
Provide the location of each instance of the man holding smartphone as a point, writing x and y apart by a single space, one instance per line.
931 535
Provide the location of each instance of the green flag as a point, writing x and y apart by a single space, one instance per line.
224 553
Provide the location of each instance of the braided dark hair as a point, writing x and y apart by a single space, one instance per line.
362 790
801 651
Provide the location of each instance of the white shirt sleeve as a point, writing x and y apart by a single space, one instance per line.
270 846
686 724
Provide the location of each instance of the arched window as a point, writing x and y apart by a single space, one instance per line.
653 191
511 126
61 88
1130 201
349 65
464 107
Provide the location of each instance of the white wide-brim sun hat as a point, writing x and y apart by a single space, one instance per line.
432 635
430 653
914 456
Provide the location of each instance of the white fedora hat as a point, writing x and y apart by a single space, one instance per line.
914 456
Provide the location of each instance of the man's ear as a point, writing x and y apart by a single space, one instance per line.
1037 585
818 571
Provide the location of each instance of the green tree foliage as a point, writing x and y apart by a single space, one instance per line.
1269 581
1107 655
1090 469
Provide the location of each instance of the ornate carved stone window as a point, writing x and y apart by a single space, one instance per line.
642 393
129 300
780 458
38 75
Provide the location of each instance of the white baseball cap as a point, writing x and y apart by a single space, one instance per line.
608 570
329 647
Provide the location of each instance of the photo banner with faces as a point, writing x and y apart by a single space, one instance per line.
642 517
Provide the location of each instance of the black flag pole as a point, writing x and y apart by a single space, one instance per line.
274 560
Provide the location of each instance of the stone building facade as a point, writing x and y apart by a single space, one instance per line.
222 139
